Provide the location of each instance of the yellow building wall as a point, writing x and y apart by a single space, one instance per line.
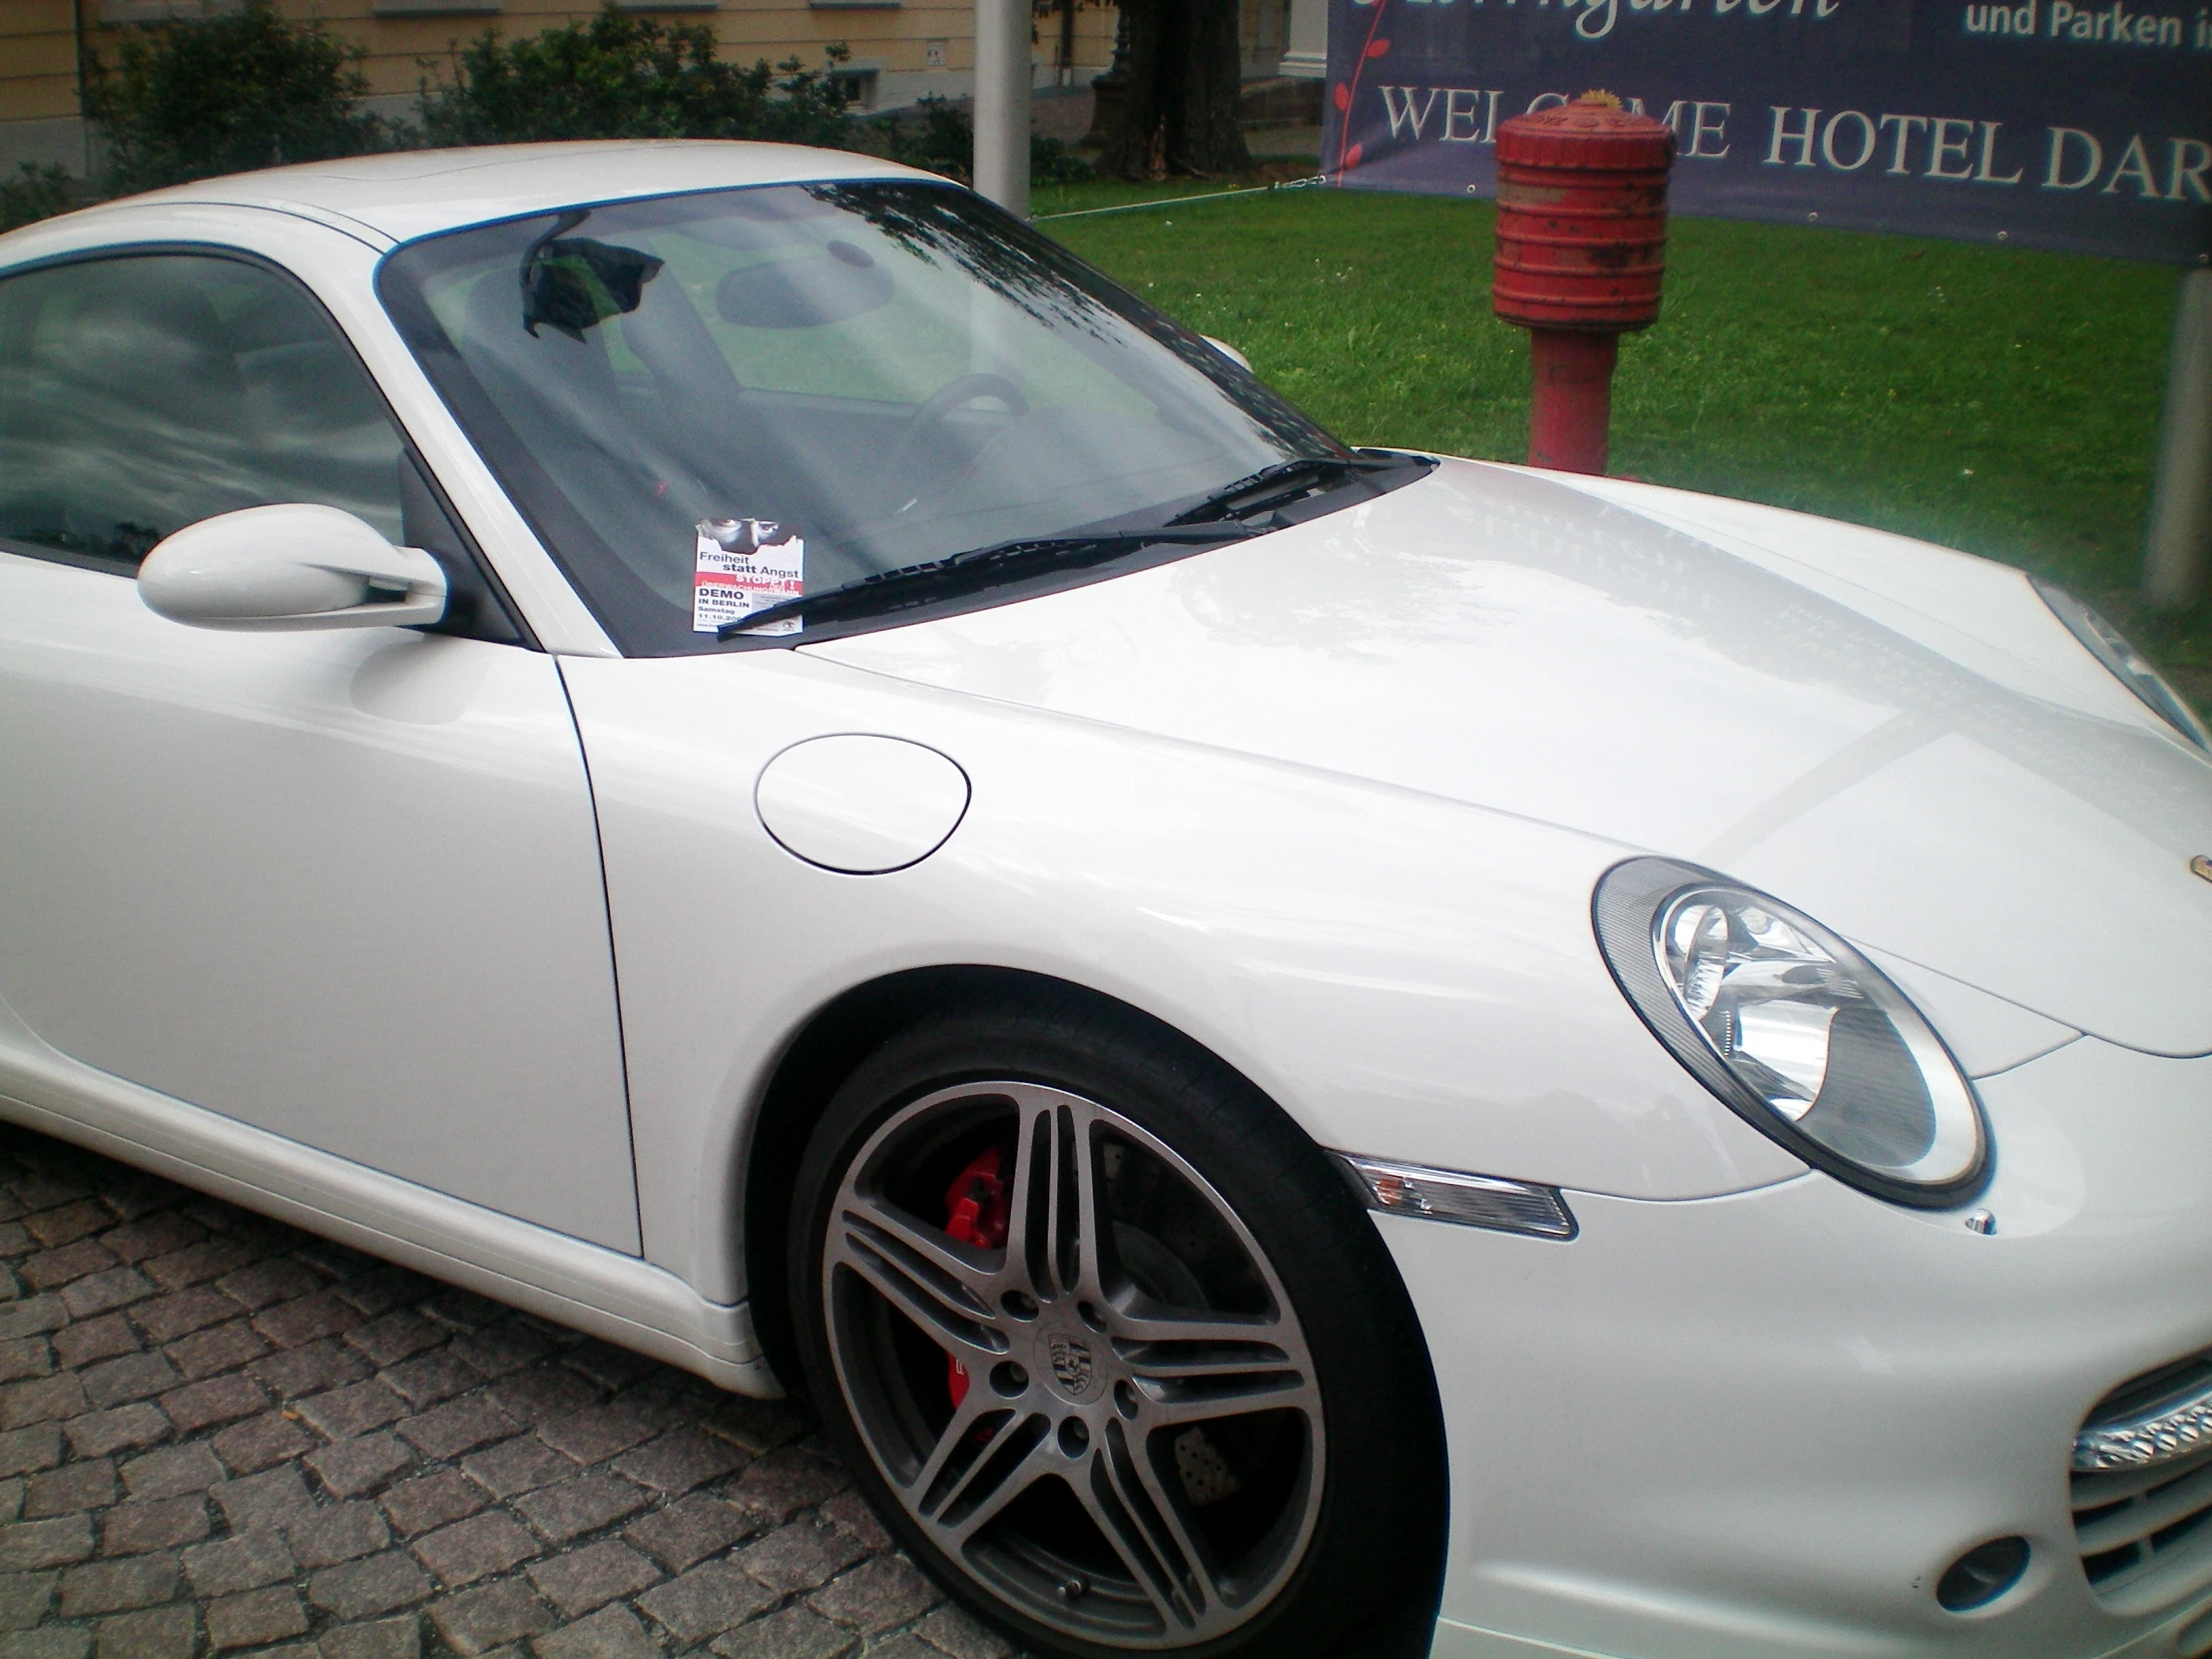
38 59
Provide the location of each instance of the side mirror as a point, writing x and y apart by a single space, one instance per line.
291 566
1230 351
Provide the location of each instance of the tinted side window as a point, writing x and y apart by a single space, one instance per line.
142 393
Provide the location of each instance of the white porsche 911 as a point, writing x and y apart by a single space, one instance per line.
1306 1052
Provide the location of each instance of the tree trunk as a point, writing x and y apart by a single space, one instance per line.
1179 114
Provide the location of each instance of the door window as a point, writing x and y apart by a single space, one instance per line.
142 393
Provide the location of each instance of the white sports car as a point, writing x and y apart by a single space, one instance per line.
1305 1052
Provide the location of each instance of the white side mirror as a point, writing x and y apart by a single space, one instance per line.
1230 351
291 566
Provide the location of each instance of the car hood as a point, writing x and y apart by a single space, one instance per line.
1938 791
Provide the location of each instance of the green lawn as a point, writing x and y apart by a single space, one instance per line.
2002 401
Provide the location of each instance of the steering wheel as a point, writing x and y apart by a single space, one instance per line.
929 416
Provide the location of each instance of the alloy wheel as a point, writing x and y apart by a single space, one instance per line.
1073 1365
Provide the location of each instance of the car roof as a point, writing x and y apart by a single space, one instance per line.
417 193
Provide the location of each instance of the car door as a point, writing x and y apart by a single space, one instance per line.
343 886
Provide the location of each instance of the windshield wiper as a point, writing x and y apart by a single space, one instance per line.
979 567
1285 481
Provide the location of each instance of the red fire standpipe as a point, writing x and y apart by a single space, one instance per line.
1581 250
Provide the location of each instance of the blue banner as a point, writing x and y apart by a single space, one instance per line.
2082 125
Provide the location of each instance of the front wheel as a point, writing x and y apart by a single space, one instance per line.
1113 1348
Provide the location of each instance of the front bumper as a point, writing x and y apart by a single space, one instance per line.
1766 1424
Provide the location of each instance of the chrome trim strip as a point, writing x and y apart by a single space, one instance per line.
2164 1437
1455 1196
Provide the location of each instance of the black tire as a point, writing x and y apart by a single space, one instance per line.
1301 1519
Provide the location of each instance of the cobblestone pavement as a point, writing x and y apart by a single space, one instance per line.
221 1435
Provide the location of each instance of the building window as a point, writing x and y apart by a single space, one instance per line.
933 52
435 8
859 86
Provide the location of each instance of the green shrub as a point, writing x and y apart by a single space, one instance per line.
34 192
618 76
194 98
941 137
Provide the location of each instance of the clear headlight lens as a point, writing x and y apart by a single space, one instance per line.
2128 665
1794 1029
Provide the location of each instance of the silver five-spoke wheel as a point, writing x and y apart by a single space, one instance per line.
1073 1365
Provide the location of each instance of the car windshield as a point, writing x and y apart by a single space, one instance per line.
811 384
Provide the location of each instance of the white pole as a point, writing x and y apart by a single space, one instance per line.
2179 557
1002 103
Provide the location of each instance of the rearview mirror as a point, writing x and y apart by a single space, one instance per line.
291 566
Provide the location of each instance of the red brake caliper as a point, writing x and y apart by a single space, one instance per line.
975 1214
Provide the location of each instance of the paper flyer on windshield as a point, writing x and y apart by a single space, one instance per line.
744 565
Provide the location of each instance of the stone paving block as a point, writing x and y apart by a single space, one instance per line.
677 1462
220 1399
173 1471
396 1336
785 1482
956 1632
11 1499
180 1313
267 1499
245 1563
155 1235
97 1292
304 1318
45 1543
579 1505
44 1399
343 1532
134 1528
360 1589
794 1633
196 1264
430 1377
114 1586
688 1531
266 1284
610 1366
431 1502
51 1267
126 1428
759 1425
800 1556
163 1633
399 1638
256 1618
32 1317
610 1633
36 1447
94 1339
849 1512
28 1356
477 1621
379 1640
118 1382
520 1465
475 1549
463 1310
353 1467
707 1601
905 1645
593 1435
67 1223
24 1598
592 1576
354 1409
875 1596
544 1392
459 1425
500 1350
204 1352
309 1369
260 1442
55 1641
73 1486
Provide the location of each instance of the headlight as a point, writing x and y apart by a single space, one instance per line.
2128 665
1801 1035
